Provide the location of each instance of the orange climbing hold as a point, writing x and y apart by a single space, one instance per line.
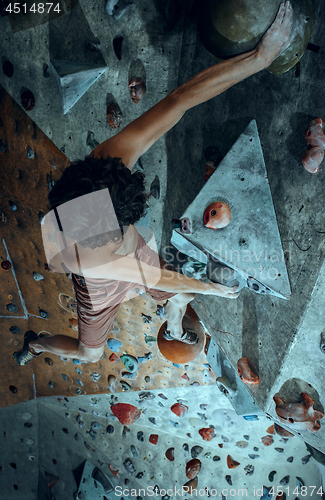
113 357
231 463
300 415
127 414
179 409
217 215
170 454
267 440
245 373
271 429
207 433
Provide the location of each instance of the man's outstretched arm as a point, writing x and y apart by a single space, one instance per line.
137 137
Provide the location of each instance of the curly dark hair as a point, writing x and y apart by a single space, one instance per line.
92 174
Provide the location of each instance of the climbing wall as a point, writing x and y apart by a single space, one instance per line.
163 438
33 298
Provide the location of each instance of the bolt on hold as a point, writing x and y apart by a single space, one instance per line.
11 307
6 265
43 313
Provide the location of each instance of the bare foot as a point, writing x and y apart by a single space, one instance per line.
277 37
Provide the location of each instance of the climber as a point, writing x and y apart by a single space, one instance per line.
105 267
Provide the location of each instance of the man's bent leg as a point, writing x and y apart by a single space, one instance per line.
68 347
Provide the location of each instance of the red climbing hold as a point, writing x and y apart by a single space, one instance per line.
193 468
127 414
207 433
245 373
114 470
179 409
267 440
153 438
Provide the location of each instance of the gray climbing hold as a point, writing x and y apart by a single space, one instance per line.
12 206
285 480
186 450
267 495
249 469
146 395
279 450
129 466
195 451
228 479
73 79
94 426
216 458
120 9
290 459
110 429
130 363
11 307
146 319
271 475
299 482
125 432
95 376
252 456
30 153
80 421
152 420
14 329
140 475
43 314
322 342
134 451
79 382
140 436
37 276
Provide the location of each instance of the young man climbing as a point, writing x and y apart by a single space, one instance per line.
106 265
